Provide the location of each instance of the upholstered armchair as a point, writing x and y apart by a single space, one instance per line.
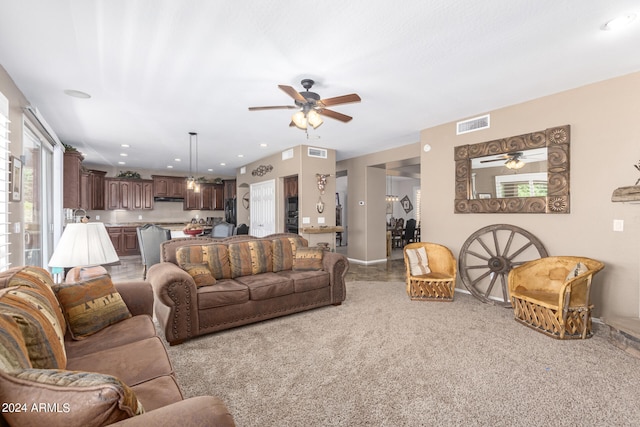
552 295
430 272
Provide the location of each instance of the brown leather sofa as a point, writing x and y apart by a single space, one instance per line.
120 374
255 279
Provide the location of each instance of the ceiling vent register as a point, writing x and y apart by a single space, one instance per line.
320 153
472 125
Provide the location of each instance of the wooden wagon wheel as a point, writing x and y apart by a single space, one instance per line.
490 253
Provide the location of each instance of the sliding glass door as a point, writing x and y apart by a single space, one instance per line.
37 199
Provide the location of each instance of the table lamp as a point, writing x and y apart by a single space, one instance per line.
83 245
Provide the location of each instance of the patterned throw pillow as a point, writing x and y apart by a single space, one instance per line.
282 254
576 270
252 257
13 351
308 259
200 273
418 261
215 255
42 341
91 305
78 398
77 274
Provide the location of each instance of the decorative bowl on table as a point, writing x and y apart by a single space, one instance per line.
193 229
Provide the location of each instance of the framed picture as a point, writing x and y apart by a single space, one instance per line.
406 204
389 207
15 195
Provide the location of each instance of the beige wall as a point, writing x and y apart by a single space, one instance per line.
305 168
605 144
366 206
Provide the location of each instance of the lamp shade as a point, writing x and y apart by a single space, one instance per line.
84 244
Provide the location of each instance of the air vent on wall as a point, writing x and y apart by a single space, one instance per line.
472 125
320 153
287 154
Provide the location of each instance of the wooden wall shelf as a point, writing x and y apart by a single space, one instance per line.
626 194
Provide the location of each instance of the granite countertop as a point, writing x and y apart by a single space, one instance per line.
170 225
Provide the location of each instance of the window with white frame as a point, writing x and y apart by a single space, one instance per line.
522 185
4 183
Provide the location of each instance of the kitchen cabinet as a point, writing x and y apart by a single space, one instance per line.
128 194
210 198
142 194
71 180
92 189
125 240
169 186
290 186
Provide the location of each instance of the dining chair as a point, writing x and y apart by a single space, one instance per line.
149 238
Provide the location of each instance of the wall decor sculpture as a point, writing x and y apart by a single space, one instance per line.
262 170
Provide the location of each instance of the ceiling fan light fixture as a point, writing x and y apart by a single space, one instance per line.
514 164
299 119
314 119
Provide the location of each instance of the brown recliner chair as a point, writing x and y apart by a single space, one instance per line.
552 295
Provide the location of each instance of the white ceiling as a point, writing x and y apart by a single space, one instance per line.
157 69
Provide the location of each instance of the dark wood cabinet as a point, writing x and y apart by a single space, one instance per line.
290 186
125 240
142 194
71 180
128 194
210 198
169 186
96 190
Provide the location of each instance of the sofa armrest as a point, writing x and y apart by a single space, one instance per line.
337 265
137 295
196 411
176 302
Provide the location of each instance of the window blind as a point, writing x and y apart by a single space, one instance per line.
4 183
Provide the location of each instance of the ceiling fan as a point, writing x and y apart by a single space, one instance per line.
511 160
311 106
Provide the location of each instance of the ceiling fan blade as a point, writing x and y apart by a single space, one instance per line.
292 93
274 107
335 115
344 99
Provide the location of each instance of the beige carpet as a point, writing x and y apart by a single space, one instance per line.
380 359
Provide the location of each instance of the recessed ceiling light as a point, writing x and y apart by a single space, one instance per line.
618 23
124 145
240 155
77 94
121 163
177 160
223 164
210 169
263 145
169 167
123 154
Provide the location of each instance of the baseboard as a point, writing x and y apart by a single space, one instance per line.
363 262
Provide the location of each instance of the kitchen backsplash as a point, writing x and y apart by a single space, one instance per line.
161 212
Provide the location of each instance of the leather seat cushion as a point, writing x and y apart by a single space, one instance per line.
224 292
267 285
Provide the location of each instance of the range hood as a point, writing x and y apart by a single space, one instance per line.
168 199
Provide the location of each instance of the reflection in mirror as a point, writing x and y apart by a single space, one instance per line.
514 174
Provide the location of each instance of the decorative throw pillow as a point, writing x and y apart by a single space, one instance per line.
90 399
42 341
200 273
215 255
251 257
13 351
418 261
576 270
91 305
308 258
282 250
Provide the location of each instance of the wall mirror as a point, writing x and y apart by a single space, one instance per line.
521 174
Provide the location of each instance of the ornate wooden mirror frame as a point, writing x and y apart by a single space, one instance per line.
556 140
